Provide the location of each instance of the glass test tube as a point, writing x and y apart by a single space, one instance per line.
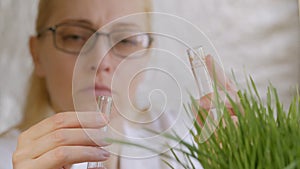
104 106
197 60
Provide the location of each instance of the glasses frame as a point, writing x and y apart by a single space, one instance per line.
54 28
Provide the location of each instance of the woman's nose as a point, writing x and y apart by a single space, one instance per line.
106 64
104 71
102 56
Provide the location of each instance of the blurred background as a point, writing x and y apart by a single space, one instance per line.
260 38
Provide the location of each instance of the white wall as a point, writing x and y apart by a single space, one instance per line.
260 38
16 24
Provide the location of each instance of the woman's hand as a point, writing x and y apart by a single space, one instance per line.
62 140
224 86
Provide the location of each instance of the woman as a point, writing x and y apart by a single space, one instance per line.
43 145
59 141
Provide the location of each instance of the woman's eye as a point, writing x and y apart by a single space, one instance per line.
128 41
73 37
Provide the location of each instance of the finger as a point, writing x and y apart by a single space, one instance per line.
65 120
216 73
67 155
207 102
235 120
67 137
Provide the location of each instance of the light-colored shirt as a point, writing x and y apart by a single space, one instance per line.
8 144
130 157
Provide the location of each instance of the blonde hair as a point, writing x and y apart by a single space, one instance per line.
148 6
44 10
38 102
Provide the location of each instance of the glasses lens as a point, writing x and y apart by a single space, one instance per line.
71 38
128 43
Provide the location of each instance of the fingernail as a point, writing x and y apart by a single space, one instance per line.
107 118
106 154
104 118
201 104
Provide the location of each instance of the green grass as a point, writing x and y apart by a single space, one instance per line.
265 137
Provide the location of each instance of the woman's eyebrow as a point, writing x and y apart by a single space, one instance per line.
125 25
79 21
117 26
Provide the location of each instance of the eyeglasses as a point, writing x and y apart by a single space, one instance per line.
71 38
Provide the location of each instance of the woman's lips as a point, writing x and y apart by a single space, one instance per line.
98 90
102 90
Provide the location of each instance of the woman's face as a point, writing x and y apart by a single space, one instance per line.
57 66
